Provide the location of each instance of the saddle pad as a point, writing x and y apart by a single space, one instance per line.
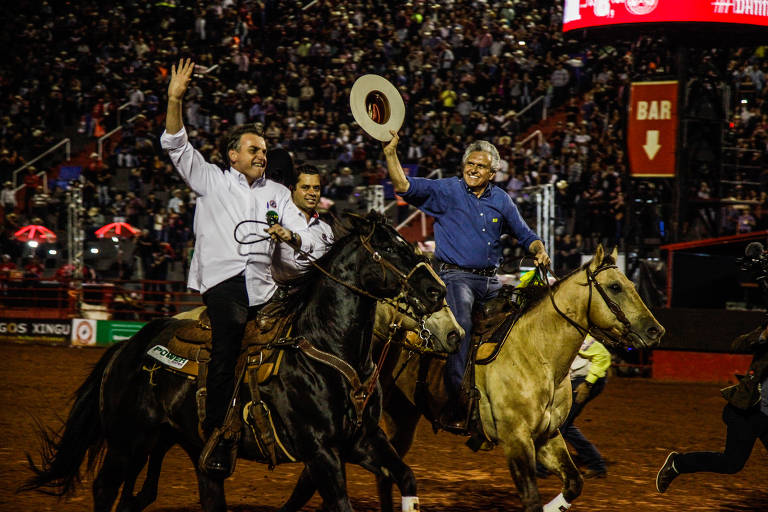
190 367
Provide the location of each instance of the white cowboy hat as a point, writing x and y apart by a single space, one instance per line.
377 106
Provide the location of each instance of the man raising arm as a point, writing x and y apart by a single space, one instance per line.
470 215
234 278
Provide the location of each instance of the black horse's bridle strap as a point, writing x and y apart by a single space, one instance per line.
359 393
374 254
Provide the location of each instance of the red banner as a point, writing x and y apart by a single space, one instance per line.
592 13
652 130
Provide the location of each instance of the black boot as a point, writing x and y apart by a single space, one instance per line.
217 459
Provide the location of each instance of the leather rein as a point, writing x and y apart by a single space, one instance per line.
610 303
361 391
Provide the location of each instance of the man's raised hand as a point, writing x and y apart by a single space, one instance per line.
180 77
390 148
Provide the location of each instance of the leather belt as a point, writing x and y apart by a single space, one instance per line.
485 271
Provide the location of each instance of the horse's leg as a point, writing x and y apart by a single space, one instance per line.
148 493
127 502
376 454
108 480
301 494
553 454
521 460
400 430
326 470
212 498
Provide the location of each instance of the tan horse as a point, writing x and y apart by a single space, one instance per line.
526 390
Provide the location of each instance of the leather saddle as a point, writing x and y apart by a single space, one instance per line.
192 340
490 324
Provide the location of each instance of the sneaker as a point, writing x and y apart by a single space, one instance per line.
667 473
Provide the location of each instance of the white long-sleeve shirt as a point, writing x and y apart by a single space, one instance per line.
289 263
224 200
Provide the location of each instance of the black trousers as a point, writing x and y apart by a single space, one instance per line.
588 454
228 309
744 428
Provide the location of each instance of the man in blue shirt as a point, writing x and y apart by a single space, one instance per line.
470 215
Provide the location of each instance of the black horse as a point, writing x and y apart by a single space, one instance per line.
122 412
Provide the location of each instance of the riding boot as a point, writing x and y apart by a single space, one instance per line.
455 416
219 455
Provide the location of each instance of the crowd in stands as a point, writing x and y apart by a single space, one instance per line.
466 70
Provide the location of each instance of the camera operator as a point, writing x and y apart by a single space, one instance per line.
746 413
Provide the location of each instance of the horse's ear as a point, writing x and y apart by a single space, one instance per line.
615 254
597 259
357 222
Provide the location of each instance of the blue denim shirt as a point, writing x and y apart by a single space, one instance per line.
467 227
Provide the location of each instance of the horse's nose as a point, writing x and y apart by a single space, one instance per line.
655 332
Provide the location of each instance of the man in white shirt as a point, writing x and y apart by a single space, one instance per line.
237 227
318 236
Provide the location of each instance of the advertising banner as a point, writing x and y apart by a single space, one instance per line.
579 14
112 331
35 330
652 130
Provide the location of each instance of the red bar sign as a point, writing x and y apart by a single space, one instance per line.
652 130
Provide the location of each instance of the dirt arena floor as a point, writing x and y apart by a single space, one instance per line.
634 424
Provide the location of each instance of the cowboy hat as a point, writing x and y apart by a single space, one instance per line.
377 106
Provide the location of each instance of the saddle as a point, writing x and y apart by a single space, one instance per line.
188 352
491 323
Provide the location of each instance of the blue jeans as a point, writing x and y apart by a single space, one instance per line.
463 289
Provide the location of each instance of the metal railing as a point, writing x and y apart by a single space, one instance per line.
107 136
533 104
67 151
539 138
436 174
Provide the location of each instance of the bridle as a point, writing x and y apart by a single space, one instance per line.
400 305
591 328
405 279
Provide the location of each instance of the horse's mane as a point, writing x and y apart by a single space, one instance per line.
530 296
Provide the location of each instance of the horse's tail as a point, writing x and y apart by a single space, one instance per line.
63 451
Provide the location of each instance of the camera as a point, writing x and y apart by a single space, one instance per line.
755 261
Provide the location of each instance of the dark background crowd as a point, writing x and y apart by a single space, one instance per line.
466 70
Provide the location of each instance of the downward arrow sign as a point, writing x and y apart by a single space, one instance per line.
651 146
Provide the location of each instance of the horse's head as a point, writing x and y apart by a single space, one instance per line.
616 313
389 266
438 332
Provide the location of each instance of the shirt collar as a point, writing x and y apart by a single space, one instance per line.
240 177
486 192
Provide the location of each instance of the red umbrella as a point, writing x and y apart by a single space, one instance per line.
35 233
116 229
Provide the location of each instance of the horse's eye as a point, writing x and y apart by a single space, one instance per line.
614 287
